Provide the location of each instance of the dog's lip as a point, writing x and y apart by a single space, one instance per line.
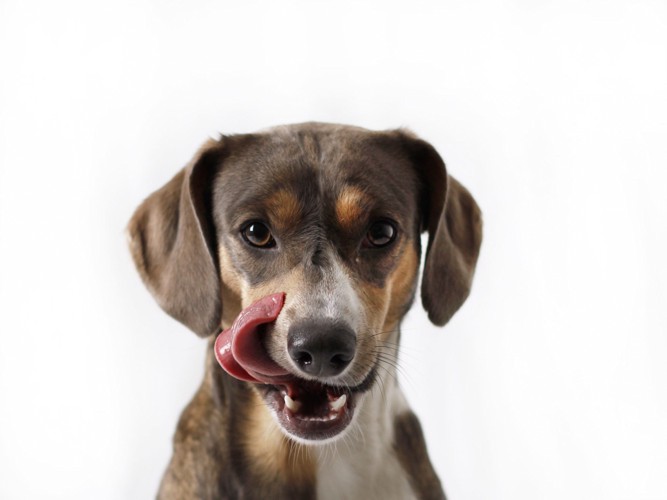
293 385
239 349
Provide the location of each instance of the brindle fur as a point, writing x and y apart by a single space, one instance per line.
319 186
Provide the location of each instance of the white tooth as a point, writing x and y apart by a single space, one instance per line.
291 404
338 404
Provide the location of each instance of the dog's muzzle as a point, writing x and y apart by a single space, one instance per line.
306 409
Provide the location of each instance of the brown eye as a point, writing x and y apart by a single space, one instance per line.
380 234
258 235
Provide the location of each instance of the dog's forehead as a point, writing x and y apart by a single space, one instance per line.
344 167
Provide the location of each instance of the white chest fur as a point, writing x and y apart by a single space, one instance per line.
363 465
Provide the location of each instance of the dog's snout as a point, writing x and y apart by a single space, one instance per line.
321 348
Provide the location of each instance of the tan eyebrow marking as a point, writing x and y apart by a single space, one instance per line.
351 205
284 207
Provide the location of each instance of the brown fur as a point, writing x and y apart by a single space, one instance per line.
285 208
351 205
318 187
411 451
275 456
401 285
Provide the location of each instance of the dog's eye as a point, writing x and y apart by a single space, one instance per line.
258 235
380 234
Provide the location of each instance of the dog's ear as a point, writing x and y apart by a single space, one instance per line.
454 224
172 241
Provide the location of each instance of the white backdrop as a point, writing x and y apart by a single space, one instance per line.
551 381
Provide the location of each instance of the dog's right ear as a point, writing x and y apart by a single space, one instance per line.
172 241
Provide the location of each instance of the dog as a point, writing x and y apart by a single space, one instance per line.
296 250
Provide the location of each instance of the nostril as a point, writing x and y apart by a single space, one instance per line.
340 361
303 358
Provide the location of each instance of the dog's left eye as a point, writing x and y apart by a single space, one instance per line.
258 235
380 234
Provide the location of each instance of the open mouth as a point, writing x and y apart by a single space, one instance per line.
311 410
306 409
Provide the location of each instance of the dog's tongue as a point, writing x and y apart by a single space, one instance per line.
239 349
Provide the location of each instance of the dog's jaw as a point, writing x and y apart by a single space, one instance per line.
338 415
314 413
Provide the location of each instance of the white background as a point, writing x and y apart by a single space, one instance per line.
550 383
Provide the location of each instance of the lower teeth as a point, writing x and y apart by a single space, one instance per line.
334 406
328 418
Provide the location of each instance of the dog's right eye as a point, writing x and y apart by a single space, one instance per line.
258 235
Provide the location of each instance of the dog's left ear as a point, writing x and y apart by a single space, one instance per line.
172 241
454 224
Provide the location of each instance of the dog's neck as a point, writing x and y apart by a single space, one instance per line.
363 463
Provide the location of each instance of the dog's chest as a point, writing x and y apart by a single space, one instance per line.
347 475
363 464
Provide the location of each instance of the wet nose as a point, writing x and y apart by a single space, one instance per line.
321 348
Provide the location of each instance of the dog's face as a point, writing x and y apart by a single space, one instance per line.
333 223
330 216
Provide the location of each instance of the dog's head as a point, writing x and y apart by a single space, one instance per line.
331 216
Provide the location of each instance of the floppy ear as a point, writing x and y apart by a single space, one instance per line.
172 242
454 224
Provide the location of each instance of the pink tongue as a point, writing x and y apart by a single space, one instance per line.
239 349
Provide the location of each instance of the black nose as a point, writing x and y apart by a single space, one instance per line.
322 348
